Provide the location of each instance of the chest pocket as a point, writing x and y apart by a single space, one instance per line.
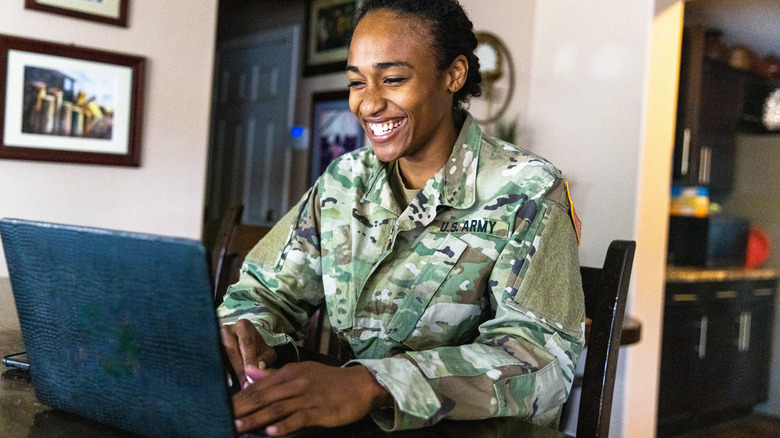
424 287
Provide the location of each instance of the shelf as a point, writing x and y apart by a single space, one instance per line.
691 275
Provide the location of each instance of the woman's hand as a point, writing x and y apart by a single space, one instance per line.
246 348
307 394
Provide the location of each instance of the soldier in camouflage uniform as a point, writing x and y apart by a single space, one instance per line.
463 299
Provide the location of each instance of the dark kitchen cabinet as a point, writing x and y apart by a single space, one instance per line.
709 107
716 351
680 361
760 341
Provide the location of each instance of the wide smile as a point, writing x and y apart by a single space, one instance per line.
384 130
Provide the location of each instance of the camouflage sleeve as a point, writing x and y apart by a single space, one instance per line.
280 281
522 363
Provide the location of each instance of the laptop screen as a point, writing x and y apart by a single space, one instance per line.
120 327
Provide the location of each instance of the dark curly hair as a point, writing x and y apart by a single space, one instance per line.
453 35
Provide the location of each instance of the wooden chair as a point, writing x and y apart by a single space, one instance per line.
605 290
234 241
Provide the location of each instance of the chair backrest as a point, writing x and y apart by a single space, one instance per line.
605 291
233 243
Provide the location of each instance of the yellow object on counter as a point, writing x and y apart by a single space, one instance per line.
690 201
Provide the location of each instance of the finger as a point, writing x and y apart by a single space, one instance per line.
252 374
266 357
256 373
233 352
271 414
256 396
271 387
296 421
248 342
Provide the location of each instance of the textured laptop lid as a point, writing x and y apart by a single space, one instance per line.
119 327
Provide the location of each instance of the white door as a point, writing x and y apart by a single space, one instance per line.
249 159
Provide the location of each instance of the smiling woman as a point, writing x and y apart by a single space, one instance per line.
403 100
447 259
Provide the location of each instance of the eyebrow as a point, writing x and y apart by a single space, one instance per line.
382 66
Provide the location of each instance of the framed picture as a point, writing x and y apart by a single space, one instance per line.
103 11
335 130
329 25
69 104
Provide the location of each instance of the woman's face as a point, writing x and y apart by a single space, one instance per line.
398 93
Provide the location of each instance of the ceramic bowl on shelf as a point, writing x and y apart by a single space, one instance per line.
758 246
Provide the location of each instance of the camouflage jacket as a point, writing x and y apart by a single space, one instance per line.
468 304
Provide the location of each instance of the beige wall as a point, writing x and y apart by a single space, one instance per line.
165 194
513 22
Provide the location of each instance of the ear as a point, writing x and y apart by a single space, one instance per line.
457 73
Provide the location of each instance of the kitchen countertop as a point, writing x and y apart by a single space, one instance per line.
676 274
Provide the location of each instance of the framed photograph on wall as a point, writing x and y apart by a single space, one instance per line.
69 104
329 25
335 130
103 11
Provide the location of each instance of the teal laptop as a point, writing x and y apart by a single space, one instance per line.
120 327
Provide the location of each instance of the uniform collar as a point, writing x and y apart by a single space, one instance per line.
452 186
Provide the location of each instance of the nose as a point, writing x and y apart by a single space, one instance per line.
372 101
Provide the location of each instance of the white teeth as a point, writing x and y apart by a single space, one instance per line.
383 128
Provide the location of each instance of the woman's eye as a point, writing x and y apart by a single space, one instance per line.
394 81
354 84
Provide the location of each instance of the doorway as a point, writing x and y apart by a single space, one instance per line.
252 113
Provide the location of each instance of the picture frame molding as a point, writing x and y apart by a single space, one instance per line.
315 64
121 20
137 66
319 98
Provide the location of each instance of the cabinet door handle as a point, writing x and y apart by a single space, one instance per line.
705 159
684 297
726 294
686 151
744 331
703 337
763 292
741 340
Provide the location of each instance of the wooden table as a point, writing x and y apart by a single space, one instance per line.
631 334
22 416
632 331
